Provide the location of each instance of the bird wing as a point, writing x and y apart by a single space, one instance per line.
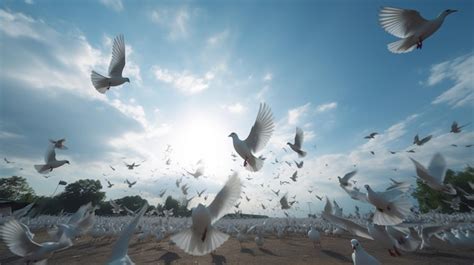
118 57
299 137
454 126
18 239
399 22
423 173
50 155
349 175
425 140
226 198
437 167
262 129
121 247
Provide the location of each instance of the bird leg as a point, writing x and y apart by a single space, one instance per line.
245 162
391 253
396 251
419 44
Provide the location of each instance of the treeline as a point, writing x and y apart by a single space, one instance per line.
75 194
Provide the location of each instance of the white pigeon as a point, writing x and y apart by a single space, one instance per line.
409 26
116 208
314 236
360 256
50 160
19 240
299 138
102 83
391 206
344 181
434 175
202 238
120 250
259 136
59 143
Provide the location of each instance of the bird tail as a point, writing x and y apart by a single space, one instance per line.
402 46
254 164
301 153
194 244
100 82
394 213
41 168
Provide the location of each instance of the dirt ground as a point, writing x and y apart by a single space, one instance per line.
291 250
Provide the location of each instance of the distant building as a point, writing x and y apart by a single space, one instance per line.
7 207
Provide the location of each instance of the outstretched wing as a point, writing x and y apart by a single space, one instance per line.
17 237
262 129
349 175
118 57
422 173
226 198
437 167
399 22
299 137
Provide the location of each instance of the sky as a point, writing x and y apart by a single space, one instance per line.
199 70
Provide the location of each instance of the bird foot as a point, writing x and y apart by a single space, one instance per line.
419 44
391 253
245 162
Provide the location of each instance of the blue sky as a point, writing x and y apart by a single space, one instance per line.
199 70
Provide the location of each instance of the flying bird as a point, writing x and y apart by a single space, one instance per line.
130 184
435 174
8 161
294 176
300 164
417 141
455 128
344 181
260 133
284 202
111 167
371 136
202 237
299 138
199 193
51 162
59 144
19 240
409 26
120 250
102 83
391 206
109 185
131 166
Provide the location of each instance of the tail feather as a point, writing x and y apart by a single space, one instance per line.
395 212
301 153
254 164
402 46
192 244
41 168
100 82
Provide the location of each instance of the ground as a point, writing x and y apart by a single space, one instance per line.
291 250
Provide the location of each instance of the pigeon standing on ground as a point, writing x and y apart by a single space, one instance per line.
260 133
50 160
434 175
102 83
299 138
314 236
202 238
409 26
360 256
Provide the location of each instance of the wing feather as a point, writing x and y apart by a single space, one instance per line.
18 239
299 137
226 198
262 129
401 23
118 57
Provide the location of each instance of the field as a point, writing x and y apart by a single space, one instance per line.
290 250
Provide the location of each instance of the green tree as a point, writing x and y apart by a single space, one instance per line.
429 199
179 209
81 192
132 202
16 189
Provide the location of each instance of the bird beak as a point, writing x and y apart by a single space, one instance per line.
230 135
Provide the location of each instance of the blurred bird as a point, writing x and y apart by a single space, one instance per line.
409 26
299 138
102 83
59 144
131 166
371 136
435 174
423 141
50 160
130 184
344 181
455 128
360 256
294 176
202 237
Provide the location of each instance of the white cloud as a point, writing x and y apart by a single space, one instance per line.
8 135
294 115
326 107
135 111
268 77
185 82
115 5
262 92
29 2
218 38
236 108
461 72
175 21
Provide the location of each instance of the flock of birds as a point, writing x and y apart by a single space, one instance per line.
394 223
